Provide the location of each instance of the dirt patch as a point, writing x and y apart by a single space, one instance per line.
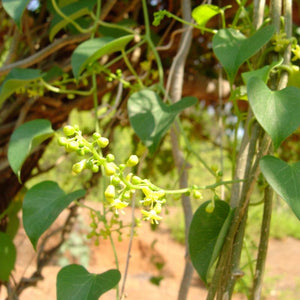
154 254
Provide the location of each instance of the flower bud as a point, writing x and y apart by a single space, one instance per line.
95 168
102 142
115 180
197 195
110 169
132 161
78 167
210 208
136 180
73 145
62 141
110 193
69 130
96 136
110 157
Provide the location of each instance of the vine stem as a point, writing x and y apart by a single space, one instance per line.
263 245
176 83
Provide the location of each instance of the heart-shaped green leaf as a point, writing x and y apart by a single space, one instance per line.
89 51
73 11
206 235
24 139
151 118
7 256
204 12
74 282
15 9
232 48
42 205
284 179
16 79
262 73
278 112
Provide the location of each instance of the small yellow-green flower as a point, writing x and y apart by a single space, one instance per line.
296 52
151 196
151 215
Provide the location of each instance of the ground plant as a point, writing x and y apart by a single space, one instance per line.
110 60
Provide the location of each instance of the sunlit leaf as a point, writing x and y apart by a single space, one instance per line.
89 51
203 13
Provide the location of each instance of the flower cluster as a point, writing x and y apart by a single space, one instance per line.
280 42
122 184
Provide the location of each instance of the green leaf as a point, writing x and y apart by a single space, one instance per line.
74 282
262 73
24 139
7 256
16 79
232 48
207 234
42 205
15 9
89 51
203 13
151 118
284 179
278 112
73 11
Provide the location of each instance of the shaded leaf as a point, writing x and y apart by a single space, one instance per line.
7 256
15 9
278 112
207 234
42 205
89 51
16 79
24 139
151 118
232 48
74 282
73 11
284 179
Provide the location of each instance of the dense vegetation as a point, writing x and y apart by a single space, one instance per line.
135 90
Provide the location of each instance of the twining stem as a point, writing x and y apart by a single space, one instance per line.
263 245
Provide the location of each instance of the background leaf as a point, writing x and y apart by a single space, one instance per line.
207 234
74 282
278 112
42 205
7 256
15 9
24 139
89 51
284 179
232 48
203 13
150 118
73 11
16 79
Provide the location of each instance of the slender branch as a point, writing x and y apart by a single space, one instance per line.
41 55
